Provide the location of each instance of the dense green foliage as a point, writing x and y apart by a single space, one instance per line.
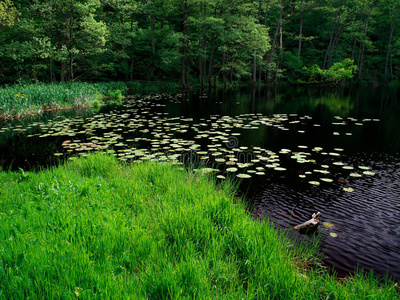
199 41
94 228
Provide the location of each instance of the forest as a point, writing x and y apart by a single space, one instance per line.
201 42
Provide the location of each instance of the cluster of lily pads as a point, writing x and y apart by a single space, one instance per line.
142 131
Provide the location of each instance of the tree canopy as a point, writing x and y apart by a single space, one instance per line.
200 41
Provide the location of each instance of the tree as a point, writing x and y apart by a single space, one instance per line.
8 14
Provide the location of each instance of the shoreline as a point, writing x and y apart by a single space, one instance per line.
130 230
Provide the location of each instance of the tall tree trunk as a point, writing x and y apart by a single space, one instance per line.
201 44
282 3
183 42
271 55
133 51
392 27
334 43
211 62
260 67
153 38
63 71
254 77
361 56
51 69
334 26
224 65
71 42
354 48
266 14
301 32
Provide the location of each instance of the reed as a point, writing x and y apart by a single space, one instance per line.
96 228
24 99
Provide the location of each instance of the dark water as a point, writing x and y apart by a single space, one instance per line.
361 124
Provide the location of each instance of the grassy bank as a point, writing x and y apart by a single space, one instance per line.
24 99
94 228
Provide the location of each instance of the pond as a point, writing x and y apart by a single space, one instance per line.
298 151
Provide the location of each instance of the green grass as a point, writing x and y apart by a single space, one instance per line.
98 229
24 99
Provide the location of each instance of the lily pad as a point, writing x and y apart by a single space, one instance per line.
348 167
332 234
355 175
364 168
314 182
328 225
279 169
326 179
334 154
244 176
369 173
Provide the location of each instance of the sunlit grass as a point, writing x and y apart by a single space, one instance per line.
95 228
23 99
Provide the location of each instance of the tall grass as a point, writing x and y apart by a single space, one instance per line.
94 228
23 99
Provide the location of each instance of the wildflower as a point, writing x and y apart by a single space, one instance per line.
16 95
23 96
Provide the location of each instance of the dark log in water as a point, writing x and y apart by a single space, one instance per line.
310 224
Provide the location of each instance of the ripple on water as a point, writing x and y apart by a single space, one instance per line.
366 221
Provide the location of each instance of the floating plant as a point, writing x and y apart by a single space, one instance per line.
139 131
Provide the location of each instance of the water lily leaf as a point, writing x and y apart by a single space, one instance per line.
348 167
221 177
243 176
334 154
332 234
260 173
231 169
349 190
364 167
284 151
328 225
326 179
369 173
279 169
355 175
241 165
314 182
